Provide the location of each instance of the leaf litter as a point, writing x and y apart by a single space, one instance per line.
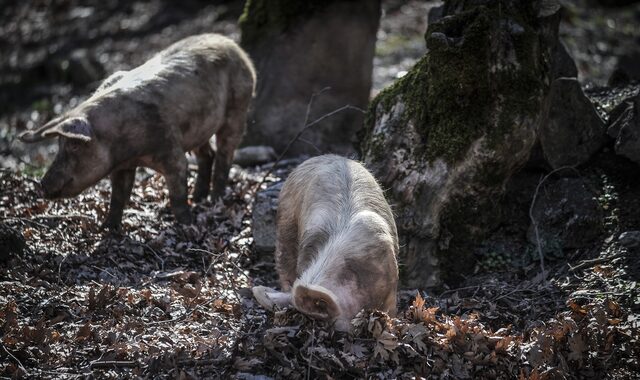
161 300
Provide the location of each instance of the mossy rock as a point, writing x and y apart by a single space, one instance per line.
446 137
452 95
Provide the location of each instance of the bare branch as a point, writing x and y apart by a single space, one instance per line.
533 220
304 129
15 359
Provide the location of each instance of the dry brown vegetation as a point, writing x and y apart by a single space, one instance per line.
161 300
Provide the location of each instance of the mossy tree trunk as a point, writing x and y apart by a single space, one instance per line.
445 138
300 48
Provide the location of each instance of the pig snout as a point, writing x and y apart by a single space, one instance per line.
316 301
52 185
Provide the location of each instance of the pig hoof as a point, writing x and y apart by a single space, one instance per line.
260 294
271 298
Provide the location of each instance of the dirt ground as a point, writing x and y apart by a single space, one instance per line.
165 301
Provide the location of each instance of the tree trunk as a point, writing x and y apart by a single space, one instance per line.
445 138
300 48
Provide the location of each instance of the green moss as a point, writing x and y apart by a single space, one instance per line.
459 84
262 18
453 95
411 90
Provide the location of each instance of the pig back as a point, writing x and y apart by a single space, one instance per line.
336 232
190 90
212 81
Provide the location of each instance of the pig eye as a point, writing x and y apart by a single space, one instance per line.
73 147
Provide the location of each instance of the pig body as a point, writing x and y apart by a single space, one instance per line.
336 243
149 116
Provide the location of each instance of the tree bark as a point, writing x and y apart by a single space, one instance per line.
445 138
299 48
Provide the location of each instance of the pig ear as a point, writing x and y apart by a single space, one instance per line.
77 128
38 134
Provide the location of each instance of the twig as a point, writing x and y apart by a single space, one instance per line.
240 270
104 270
506 295
69 216
16 359
586 294
313 346
145 245
464 288
306 126
24 220
114 363
214 261
201 362
310 104
60 375
310 144
594 261
60 268
535 223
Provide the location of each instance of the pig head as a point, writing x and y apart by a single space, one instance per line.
337 243
81 160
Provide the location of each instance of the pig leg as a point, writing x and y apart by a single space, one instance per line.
286 240
227 139
205 157
121 185
286 263
174 169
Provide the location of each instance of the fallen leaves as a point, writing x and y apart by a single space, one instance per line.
144 302
169 301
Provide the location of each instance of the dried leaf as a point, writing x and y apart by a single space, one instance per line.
84 332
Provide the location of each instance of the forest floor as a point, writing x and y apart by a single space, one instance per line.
165 301
160 300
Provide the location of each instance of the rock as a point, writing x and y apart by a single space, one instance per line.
563 64
627 69
624 127
300 48
435 14
254 155
619 117
445 138
606 99
630 239
12 243
264 218
571 130
567 215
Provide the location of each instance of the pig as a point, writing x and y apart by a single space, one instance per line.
336 243
150 116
